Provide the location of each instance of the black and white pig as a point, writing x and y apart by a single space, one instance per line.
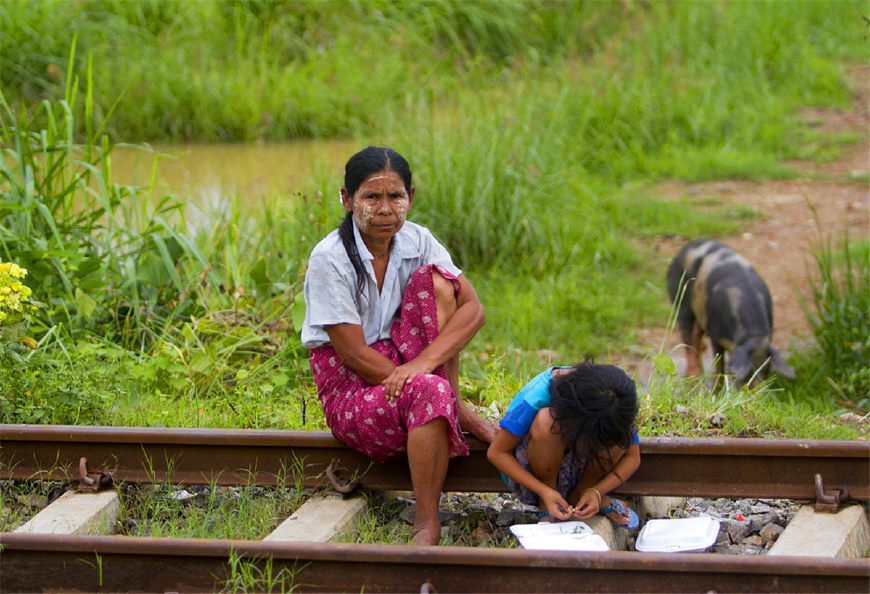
726 299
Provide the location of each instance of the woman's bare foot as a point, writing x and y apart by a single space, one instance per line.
473 423
425 535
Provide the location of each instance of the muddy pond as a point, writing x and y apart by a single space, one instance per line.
212 175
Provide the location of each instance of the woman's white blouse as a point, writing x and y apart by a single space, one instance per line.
331 288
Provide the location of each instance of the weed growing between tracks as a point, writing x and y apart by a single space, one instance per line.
21 500
470 523
257 575
205 511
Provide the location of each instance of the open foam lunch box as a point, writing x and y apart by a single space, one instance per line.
559 536
683 535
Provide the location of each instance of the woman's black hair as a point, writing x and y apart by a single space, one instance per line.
371 159
594 408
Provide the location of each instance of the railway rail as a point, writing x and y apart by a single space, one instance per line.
795 469
123 564
727 467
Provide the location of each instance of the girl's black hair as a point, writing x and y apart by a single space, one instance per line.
594 408
371 159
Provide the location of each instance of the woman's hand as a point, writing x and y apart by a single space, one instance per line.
587 505
555 504
404 375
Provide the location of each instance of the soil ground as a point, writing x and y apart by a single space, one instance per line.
825 200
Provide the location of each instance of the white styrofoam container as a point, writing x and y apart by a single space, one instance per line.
558 536
683 535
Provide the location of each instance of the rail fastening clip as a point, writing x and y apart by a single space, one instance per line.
828 501
91 482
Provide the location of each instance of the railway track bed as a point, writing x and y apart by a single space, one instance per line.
694 468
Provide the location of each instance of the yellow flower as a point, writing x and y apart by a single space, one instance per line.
14 295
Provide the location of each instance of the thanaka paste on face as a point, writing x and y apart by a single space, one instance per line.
370 214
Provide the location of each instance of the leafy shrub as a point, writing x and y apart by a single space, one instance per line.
47 389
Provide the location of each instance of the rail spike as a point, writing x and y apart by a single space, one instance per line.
92 482
340 485
828 501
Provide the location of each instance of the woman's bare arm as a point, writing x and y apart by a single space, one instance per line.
349 342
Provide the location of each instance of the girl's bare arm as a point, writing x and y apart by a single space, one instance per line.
501 455
627 466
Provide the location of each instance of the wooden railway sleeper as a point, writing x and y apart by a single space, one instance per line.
91 482
828 500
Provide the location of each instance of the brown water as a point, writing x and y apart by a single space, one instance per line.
211 176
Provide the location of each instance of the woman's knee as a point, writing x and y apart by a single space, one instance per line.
444 287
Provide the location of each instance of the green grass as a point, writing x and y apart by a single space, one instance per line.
237 513
21 500
233 70
686 407
839 314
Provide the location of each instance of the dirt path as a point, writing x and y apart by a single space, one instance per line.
780 246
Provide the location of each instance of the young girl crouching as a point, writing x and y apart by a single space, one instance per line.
568 439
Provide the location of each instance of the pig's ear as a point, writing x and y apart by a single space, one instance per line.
778 364
741 364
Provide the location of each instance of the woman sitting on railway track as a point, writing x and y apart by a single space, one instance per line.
387 314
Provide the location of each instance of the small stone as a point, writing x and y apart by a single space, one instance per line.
727 549
184 496
509 517
718 420
480 536
407 514
770 533
737 531
760 508
445 517
753 540
682 410
747 549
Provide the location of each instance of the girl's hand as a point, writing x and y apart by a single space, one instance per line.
403 375
555 504
587 505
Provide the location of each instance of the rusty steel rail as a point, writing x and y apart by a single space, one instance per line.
35 562
703 467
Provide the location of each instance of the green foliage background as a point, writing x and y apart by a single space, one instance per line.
534 128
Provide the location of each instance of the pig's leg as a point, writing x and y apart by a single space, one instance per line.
694 350
719 362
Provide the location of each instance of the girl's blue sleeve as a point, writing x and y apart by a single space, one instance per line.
534 396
